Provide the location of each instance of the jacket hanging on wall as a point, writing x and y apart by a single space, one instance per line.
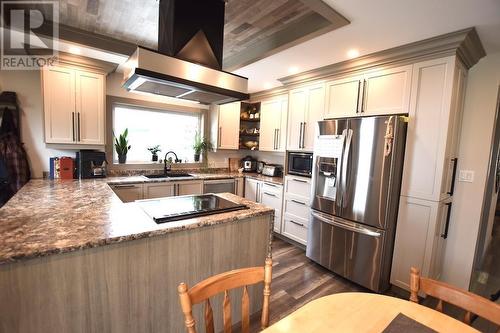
14 166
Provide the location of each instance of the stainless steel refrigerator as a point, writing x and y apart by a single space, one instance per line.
358 163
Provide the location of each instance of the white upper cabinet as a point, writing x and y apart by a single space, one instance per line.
387 91
433 129
73 106
273 120
229 126
306 108
377 92
59 104
90 107
343 97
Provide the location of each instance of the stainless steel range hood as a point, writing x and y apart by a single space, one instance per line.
189 61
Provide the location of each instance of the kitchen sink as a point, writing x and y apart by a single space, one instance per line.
169 175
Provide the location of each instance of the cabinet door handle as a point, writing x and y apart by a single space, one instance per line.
79 134
278 139
73 122
300 135
297 223
298 202
453 176
357 101
125 186
270 194
299 180
447 225
363 103
304 135
220 136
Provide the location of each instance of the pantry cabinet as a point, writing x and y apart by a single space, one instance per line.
433 129
228 126
420 239
375 92
306 108
74 102
273 121
429 173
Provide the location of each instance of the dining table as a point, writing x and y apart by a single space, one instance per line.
365 312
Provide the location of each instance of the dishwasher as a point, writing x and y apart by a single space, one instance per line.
219 186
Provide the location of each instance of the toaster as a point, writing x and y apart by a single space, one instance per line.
272 170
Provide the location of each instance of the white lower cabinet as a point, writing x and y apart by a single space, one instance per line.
159 190
132 192
189 187
128 192
296 208
420 239
268 194
295 228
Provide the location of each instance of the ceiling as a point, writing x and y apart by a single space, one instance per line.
375 26
253 29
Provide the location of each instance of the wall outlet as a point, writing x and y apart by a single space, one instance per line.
466 176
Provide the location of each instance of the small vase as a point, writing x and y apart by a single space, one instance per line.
122 159
154 158
196 157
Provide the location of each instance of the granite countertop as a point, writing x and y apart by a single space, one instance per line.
196 175
56 216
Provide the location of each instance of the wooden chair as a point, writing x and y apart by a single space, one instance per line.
222 283
471 303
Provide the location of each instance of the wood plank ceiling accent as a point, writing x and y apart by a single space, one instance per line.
253 28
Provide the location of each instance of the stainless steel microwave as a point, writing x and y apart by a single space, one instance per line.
300 163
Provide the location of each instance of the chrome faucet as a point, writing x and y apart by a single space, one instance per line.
168 165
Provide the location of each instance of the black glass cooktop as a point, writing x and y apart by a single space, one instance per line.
179 208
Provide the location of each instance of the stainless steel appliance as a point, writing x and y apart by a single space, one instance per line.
188 63
358 164
272 170
299 163
219 186
185 207
260 166
90 164
249 164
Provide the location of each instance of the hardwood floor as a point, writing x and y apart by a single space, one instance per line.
298 280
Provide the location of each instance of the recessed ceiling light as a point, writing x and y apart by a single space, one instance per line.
268 85
75 50
293 70
352 53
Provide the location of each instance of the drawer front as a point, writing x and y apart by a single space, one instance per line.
160 190
298 186
128 192
272 200
297 207
295 228
272 188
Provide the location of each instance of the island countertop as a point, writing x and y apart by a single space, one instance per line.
56 216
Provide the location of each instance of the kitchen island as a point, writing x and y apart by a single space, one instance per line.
74 258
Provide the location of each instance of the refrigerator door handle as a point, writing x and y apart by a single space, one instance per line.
346 225
345 160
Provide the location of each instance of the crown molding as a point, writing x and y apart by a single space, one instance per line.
463 43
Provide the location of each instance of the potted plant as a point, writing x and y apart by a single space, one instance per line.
201 145
122 147
154 152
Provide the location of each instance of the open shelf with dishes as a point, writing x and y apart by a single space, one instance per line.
249 126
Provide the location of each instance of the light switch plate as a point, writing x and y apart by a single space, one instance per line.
466 176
